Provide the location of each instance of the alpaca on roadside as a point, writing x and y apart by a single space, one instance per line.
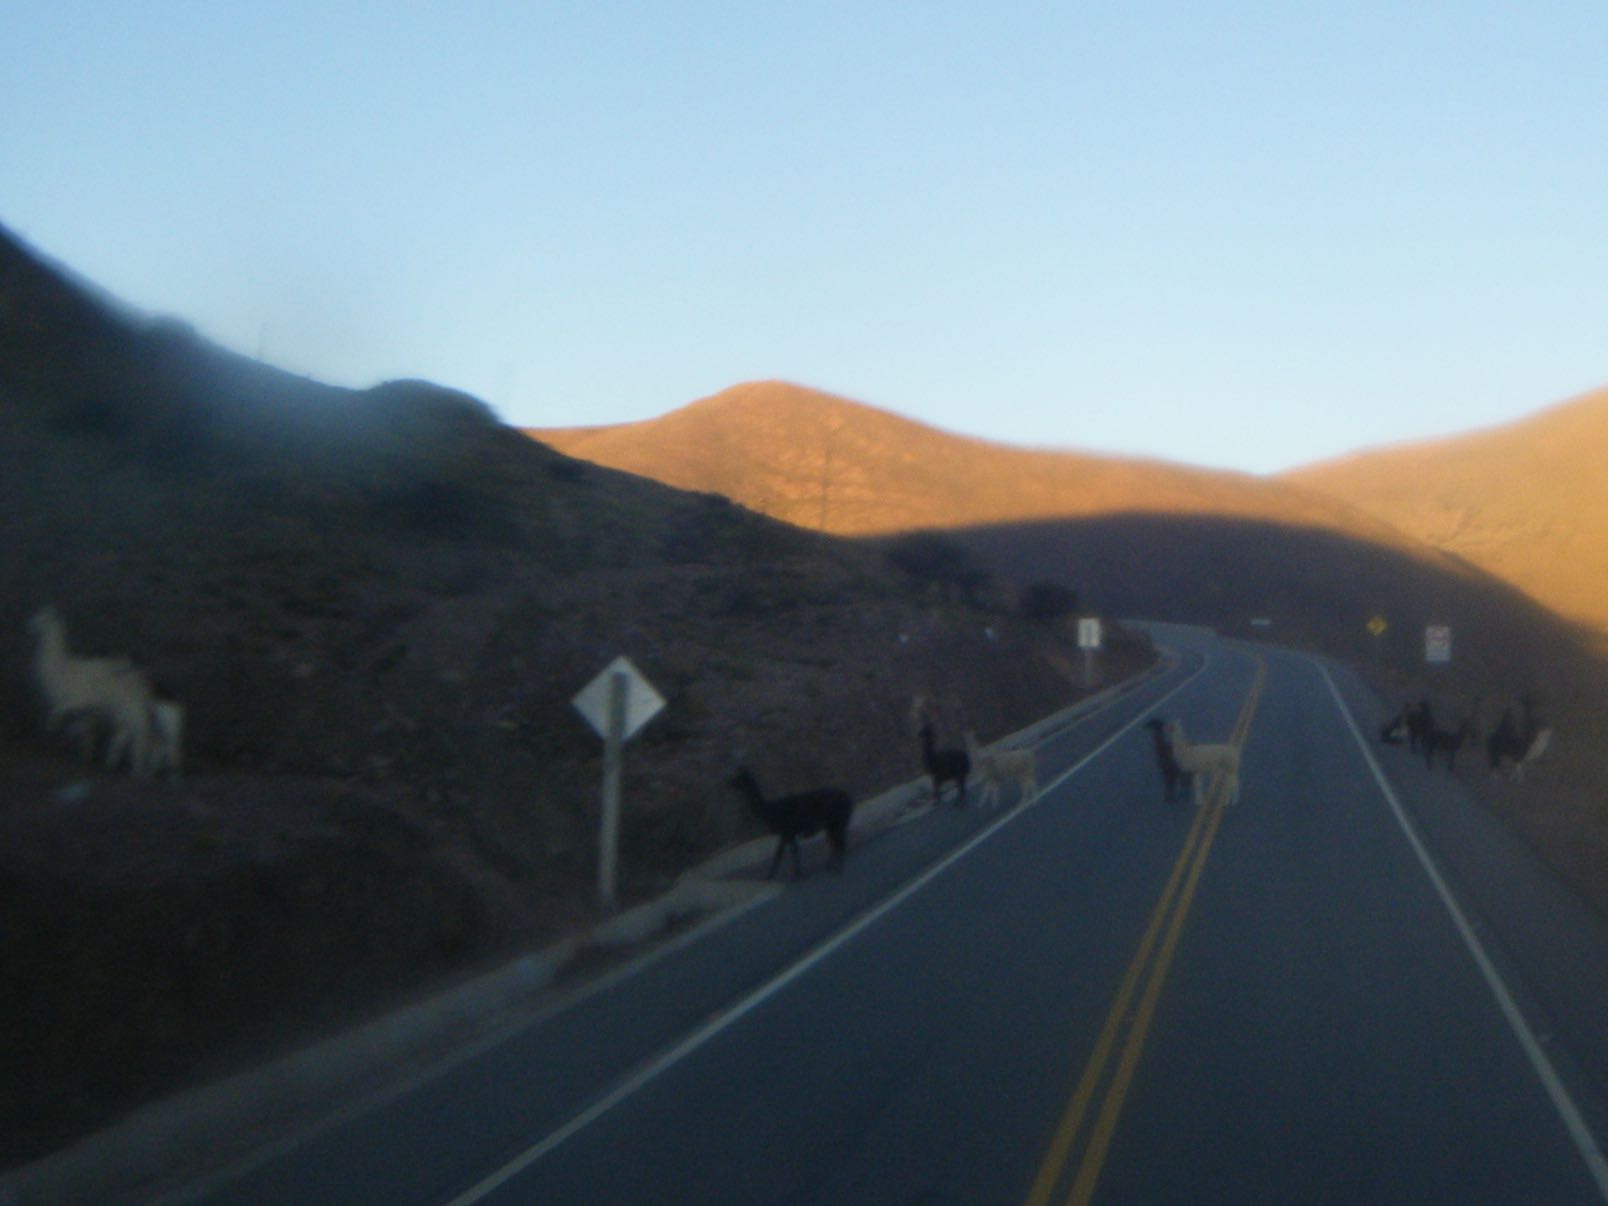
801 814
1518 745
1420 723
997 769
112 687
1202 760
944 765
1538 746
1505 741
1394 730
1447 742
1173 776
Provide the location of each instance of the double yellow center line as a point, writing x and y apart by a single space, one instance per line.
1131 1025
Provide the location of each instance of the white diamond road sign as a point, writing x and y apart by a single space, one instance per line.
642 702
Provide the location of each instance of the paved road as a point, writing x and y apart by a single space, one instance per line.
1349 987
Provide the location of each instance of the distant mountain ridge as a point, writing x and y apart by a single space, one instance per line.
1526 501
825 462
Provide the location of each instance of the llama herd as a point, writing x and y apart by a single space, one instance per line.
1515 745
1186 764
1185 768
828 809
107 706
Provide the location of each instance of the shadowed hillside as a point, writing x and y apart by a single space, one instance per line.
375 606
1311 587
1527 501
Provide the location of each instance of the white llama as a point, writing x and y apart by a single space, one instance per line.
112 687
1198 761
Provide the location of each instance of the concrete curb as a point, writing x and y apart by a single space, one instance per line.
131 1159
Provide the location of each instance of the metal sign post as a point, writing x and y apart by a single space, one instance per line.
617 703
608 859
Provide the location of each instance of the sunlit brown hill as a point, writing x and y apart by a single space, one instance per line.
1256 557
1527 501
825 462
1131 536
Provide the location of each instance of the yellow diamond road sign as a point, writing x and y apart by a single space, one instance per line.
1377 626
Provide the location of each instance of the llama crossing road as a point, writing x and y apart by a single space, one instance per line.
1350 986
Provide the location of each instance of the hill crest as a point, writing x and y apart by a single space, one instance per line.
833 464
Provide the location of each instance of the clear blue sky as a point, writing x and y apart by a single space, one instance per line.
1235 234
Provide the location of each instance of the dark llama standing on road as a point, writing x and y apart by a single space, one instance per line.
1420 723
1175 779
944 765
802 814
1447 743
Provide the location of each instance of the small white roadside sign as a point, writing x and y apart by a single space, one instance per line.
1437 644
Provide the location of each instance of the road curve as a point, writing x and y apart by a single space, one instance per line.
1350 986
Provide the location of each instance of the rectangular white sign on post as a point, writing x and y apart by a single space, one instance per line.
1437 644
1089 633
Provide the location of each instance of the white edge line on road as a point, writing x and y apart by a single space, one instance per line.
1573 1120
661 1063
219 1179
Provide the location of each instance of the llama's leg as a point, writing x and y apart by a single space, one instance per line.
117 746
839 837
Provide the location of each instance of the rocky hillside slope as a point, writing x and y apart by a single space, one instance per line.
1527 501
835 465
375 606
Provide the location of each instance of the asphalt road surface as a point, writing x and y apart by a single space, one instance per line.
1351 986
